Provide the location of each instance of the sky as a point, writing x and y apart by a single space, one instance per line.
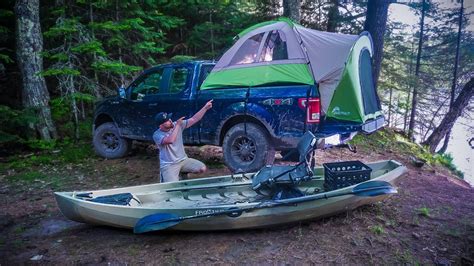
462 153
403 13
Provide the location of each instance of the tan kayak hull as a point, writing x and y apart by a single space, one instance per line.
155 199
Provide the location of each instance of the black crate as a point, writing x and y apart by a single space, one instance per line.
344 174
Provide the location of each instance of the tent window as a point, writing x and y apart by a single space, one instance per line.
247 53
275 47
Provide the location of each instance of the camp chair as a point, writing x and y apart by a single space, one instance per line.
279 181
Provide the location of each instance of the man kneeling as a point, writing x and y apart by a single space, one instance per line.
169 140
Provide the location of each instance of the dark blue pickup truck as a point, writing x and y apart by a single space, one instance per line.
249 123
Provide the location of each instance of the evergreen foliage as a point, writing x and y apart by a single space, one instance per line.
95 46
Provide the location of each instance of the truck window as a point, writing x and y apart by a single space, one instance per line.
247 53
179 76
205 71
275 47
151 83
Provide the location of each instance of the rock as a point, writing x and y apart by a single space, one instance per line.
36 257
170 249
417 162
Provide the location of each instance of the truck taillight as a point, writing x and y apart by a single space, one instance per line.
314 109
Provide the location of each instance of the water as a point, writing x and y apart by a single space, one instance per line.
460 150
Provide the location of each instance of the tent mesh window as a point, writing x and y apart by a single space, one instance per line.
369 96
275 47
247 53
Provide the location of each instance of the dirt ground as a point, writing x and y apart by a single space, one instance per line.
430 221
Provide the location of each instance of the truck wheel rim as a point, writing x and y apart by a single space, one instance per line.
110 141
244 149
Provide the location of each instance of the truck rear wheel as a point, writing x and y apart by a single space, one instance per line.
108 143
247 151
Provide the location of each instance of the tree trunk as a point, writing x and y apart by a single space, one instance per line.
448 121
455 75
375 23
291 9
333 16
414 100
29 47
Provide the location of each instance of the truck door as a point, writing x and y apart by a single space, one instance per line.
141 95
173 96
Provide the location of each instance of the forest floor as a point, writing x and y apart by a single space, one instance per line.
429 221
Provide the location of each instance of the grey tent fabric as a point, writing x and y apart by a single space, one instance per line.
294 50
327 53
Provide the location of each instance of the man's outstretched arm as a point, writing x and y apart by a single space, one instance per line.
198 116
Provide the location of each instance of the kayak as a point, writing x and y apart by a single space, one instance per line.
224 202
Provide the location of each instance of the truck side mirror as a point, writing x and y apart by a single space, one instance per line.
121 92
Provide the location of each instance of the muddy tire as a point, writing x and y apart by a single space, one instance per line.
108 143
247 152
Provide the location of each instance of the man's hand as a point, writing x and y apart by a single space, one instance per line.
180 121
208 105
197 116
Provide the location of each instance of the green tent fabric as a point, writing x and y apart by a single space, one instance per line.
261 75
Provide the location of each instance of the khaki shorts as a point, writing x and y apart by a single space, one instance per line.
171 172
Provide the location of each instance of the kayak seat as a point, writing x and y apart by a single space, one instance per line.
126 199
281 180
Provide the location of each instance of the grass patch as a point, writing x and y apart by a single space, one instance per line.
27 176
424 211
54 182
406 258
59 154
19 230
377 229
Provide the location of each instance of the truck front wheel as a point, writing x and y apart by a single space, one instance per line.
108 143
247 150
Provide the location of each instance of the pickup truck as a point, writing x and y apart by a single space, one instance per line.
250 123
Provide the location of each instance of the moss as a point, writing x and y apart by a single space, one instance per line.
388 139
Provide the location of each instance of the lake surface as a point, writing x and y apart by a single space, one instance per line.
462 153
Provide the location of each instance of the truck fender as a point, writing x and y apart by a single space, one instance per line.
102 118
236 113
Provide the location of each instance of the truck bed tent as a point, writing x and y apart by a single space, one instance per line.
282 52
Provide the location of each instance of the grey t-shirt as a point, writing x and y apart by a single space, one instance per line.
174 152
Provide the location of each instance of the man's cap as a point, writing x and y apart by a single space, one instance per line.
162 117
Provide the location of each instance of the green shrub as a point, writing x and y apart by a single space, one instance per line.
424 211
377 229
15 124
446 159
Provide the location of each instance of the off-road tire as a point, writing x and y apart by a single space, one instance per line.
108 143
247 151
